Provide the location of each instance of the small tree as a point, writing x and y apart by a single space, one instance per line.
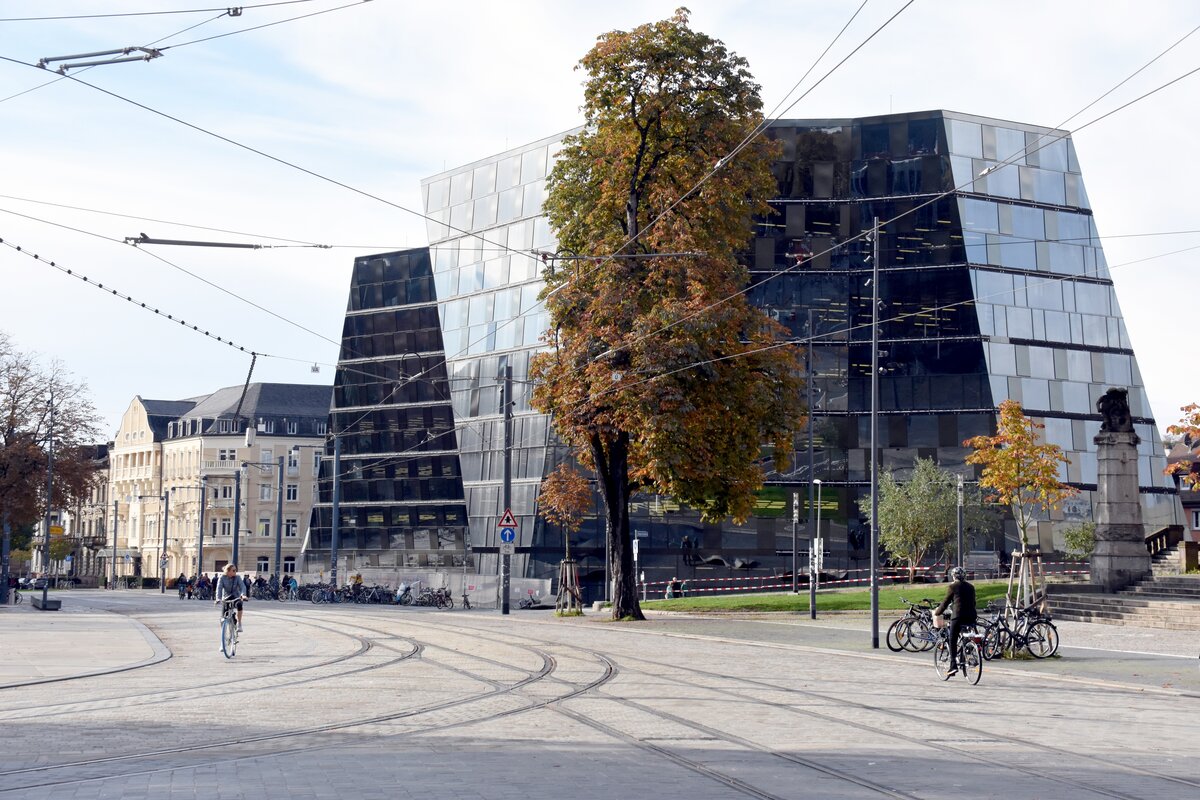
566 496
918 516
1187 429
1080 540
59 549
1018 469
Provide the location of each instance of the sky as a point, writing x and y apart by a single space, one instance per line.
380 94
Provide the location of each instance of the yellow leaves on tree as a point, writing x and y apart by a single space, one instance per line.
1019 469
1189 428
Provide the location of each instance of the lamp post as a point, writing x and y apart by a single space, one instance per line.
49 503
960 520
814 548
875 433
162 554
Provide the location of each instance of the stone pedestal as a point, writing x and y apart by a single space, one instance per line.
1120 557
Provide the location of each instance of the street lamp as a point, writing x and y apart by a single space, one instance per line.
203 489
814 548
165 497
960 520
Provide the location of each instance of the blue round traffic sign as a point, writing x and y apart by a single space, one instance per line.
508 534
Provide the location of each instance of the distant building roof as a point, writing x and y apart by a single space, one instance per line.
265 400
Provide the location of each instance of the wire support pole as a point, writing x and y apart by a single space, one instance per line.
875 433
49 502
506 560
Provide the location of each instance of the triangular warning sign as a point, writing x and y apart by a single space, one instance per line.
508 520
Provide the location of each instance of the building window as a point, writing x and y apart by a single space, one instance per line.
226 492
225 527
1196 520
214 527
226 455
321 428
266 426
223 426
293 427
316 465
293 492
263 564
289 527
289 564
293 459
264 491
264 527
268 455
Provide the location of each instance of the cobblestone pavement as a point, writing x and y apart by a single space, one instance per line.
345 701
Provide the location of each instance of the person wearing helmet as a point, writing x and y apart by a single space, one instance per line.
960 596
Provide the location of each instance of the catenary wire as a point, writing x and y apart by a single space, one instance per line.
863 235
266 25
153 13
86 69
128 298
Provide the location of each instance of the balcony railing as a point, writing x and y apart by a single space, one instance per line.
226 466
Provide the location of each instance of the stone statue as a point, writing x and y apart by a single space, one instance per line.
1114 407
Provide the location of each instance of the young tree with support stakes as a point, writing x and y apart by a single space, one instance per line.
1022 473
918 516
656 384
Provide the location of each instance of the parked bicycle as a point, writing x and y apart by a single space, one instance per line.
1023 630
438 598
914 631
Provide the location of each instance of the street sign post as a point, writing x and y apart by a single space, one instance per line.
56 530
508 533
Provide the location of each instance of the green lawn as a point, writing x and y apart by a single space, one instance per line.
834 600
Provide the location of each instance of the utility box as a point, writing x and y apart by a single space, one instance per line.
49 605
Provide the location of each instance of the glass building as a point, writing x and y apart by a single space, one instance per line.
993 285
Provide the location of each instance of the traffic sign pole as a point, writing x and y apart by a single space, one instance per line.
506 557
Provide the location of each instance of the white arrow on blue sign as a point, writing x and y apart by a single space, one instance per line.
508 534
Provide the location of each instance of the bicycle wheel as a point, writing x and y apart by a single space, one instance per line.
450 602
1042 639
971 661
229 636
17 598
921 635
941 659
897 634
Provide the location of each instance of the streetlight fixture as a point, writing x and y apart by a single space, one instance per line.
165 497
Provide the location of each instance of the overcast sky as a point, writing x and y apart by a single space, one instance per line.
381 94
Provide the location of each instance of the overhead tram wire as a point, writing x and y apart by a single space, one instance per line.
153 13
283 162
109 290
1009 161
85 69
185 271
758 130
266 25
364 193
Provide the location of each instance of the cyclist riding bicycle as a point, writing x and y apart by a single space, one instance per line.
961 596
231 586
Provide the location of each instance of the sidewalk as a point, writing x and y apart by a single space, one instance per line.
75 642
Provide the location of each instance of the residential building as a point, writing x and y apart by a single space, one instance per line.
185 455
992 282
88 518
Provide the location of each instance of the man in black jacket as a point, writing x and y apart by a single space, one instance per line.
961 597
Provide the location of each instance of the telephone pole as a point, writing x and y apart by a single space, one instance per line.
49 504
506 560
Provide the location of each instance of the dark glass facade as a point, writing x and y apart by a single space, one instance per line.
402 501
993 285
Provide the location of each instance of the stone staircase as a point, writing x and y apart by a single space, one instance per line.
1165 599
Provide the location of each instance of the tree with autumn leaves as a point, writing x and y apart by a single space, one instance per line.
658 373
1019 469
25 385
1188 431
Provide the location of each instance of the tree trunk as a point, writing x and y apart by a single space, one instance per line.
612 461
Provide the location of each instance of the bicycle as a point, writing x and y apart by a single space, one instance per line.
970 654
16 597
1029 630
229 627
466 602
901 634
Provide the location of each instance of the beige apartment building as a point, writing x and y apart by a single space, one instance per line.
217 457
